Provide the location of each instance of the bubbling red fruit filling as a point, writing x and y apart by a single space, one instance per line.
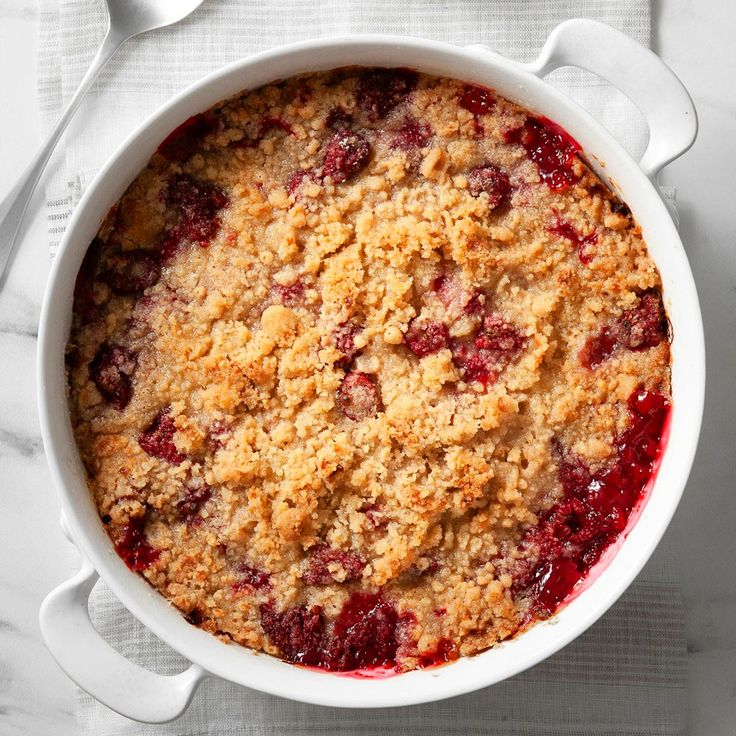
158 438
366 634
595 507
134 547
550 148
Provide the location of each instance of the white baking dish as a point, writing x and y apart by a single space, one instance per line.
146 696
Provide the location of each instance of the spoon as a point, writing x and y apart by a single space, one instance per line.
126 18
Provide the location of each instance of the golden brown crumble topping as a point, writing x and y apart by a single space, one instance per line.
357 363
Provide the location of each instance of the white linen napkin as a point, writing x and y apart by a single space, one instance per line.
628 674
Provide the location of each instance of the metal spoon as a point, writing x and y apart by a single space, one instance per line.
126 18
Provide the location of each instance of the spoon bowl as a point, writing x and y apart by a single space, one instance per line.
133 17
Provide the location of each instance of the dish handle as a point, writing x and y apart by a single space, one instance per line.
639 73
99 669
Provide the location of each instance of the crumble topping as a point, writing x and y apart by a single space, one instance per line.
367 368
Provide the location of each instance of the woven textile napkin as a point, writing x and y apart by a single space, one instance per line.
627 674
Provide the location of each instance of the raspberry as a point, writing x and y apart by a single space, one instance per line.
645 325
338 119
298 633
551 148
566 229
365 633
357 397
379 91
473 365
134 548
346 154
478 100
111 370
289 296
495 346
491 180
183 141
412 134
199 203
641 327
298 178
344 338
253 579
424 337
499 337
445 650
194 498
595 507
131 273
321 556
271 122
158 439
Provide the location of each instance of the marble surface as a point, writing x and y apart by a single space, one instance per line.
696 39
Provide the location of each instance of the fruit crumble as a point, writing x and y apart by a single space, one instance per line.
367 369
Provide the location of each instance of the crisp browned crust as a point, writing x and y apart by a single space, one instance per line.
430 487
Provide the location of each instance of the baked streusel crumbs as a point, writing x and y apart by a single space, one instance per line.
367 368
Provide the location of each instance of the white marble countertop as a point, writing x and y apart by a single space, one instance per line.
696 39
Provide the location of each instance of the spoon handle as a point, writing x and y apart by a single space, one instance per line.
13 207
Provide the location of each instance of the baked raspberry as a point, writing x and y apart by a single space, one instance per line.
582 243
493 347
291 295
271 122
298 178
131 272
217 435
478 100
252 579
572 472
473 364
323 559
194 497
199 203
158 439
365 633
620 208
134 547
475 306
645 325
379 91
599 348
411 135
443 652
344 339
424 337
500 339
491 180
346 154
86 305
112 371
298 633
358 397
338 119
551 148
375 514
641 327
185 140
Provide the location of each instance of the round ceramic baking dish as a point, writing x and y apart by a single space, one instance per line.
146 696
